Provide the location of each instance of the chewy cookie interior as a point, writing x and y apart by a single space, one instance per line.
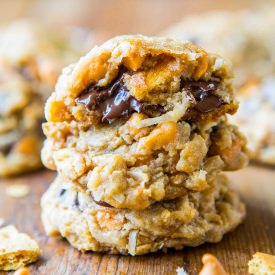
169 82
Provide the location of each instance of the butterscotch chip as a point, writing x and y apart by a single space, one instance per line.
262 264
22 271
17 190
211 266
16 249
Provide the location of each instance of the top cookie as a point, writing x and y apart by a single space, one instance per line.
162 78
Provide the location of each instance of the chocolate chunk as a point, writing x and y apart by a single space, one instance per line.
101 203
202 91
209 103
122 104
113 101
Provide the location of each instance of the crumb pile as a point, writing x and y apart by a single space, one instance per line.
137 130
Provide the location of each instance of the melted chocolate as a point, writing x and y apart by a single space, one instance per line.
113 101
202 91
101 203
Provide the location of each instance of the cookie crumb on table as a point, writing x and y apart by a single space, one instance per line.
18 190
262 264
16 249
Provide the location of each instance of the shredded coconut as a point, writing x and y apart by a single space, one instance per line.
133 241
176 114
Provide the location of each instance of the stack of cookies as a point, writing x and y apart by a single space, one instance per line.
138 133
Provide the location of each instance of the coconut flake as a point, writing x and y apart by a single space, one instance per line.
133 242
176 114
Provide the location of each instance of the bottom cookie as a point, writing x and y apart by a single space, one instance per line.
191 220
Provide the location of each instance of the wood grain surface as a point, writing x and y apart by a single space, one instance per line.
255 184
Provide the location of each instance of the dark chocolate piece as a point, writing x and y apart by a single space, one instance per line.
202 91
101 203
113 101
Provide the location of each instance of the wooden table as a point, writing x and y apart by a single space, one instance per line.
255 184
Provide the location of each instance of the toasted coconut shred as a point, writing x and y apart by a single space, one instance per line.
175 115
133 241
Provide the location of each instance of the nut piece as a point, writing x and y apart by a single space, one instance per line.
22 271
16 249
211 266
262 264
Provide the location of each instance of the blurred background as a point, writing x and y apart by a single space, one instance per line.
112 17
